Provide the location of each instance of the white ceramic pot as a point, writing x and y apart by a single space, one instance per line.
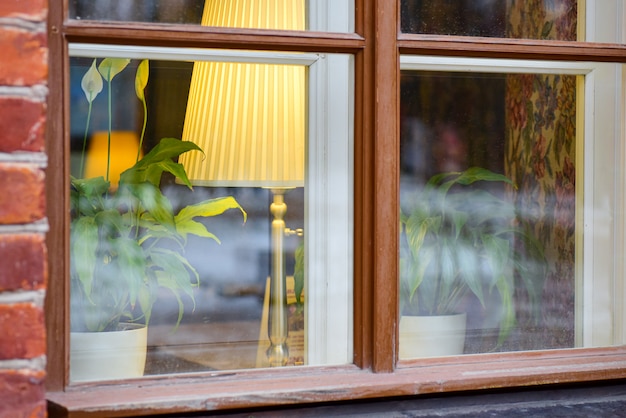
432 336
108 355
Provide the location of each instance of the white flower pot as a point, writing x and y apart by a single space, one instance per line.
432 336
108 355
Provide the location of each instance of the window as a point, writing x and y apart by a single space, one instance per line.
237 337
200 283
190 12
544 139
388 64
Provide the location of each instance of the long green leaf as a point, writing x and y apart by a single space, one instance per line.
459 219
110 223
422 263
447 262
418 227
474 174
174 273
498 254
177 266
132 265
468 259
166 281
84 244
146 298
298 272
467 177
211 207
447 268
426 280
195 228
155 203
505 289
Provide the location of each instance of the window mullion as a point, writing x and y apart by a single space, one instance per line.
386 134
57 176
510 48
210 37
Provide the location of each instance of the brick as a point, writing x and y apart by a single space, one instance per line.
23 331
22 262
24 57
22 394
33 10
22 194
23 122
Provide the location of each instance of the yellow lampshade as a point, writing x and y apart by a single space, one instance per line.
124 145
249 119
255 14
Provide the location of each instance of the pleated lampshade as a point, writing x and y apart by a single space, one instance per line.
249 119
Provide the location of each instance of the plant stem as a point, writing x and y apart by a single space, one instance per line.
143 130
109 132
82 156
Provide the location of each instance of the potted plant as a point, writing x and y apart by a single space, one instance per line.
126 245
460 241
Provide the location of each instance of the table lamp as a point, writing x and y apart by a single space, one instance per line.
123 148
249 119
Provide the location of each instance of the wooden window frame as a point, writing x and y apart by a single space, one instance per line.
376 45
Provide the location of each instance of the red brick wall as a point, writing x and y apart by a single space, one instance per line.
23 91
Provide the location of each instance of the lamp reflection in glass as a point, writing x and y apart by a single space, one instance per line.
249 119
124 145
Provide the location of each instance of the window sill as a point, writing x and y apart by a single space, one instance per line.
268 388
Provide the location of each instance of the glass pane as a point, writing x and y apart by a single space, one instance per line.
547 19
217 271
256 14
488 209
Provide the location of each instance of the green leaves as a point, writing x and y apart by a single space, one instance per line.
172 272
84 241
119 259
152 201
132 264
186 225
298 273
151 167
458 240
128 243
467 177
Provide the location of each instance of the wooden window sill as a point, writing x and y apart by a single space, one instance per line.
291 386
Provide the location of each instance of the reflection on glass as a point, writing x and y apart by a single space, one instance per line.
322 15
157 11
147 249
487 210
547 19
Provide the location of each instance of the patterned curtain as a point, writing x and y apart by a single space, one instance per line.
540 158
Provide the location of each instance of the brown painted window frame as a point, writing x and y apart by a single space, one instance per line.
376 372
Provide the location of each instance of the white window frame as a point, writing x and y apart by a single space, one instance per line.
600 194
328 189
324 18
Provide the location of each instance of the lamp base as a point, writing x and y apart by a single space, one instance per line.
278 353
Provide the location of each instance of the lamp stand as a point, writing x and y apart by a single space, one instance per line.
278 352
